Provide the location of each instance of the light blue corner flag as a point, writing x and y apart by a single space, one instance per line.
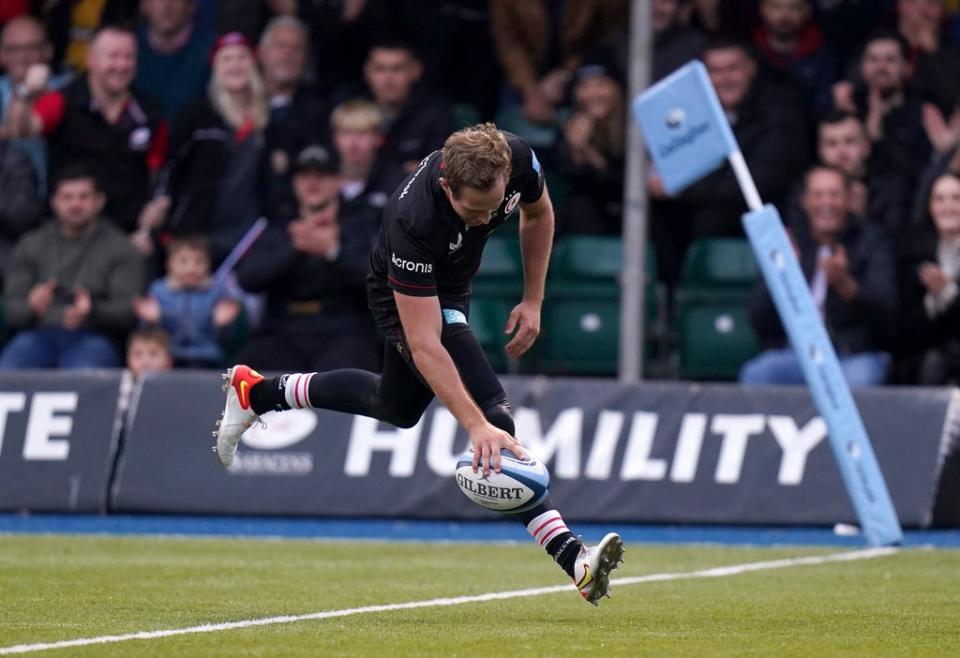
848 437
686 130
689 136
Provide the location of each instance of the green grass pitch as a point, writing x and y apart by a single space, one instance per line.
55 588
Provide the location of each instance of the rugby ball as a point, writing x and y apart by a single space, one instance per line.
520 485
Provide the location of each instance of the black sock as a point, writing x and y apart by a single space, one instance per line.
269 395
545 524
564 549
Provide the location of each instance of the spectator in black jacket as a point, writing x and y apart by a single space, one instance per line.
416 122
217 147
591 153
931 298
101 120
298 113
851 273
884 101
312 270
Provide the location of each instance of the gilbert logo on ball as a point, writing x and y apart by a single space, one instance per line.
520 485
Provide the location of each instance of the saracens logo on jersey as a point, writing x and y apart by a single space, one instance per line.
511 204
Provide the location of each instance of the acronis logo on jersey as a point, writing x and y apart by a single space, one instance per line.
410 265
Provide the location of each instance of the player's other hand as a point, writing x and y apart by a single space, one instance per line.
487 443
525 321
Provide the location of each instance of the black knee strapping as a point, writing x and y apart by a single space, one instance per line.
499 416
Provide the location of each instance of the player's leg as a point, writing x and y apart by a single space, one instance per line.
396 396
589 567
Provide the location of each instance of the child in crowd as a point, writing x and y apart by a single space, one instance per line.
148 350
196 313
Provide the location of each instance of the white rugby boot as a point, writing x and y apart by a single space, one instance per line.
591 573
237 416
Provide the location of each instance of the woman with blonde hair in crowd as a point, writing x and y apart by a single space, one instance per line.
217 147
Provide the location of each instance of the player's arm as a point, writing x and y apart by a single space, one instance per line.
536 238
422 324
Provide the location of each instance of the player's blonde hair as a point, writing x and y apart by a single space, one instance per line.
356 114
477 156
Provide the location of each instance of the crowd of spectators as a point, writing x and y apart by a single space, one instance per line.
141 141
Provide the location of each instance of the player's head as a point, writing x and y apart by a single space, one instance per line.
188 261
842 142
148 349
826 201
476 168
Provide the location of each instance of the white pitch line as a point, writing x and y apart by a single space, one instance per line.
714 572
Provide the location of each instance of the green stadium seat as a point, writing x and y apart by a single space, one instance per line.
716 269
712 321
488 317
581 314
715 340
501 270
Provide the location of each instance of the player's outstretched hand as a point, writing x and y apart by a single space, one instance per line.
525 320
487 443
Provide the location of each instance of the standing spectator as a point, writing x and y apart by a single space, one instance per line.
172 54
312 270
591 154
790 42
24 47
195 312
298 113
71 284
217 149
891 113
851 274
99 120
930 313
539 44
367 179
674 43
415 121
20 206
148 350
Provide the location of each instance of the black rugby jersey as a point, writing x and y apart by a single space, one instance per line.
424 248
